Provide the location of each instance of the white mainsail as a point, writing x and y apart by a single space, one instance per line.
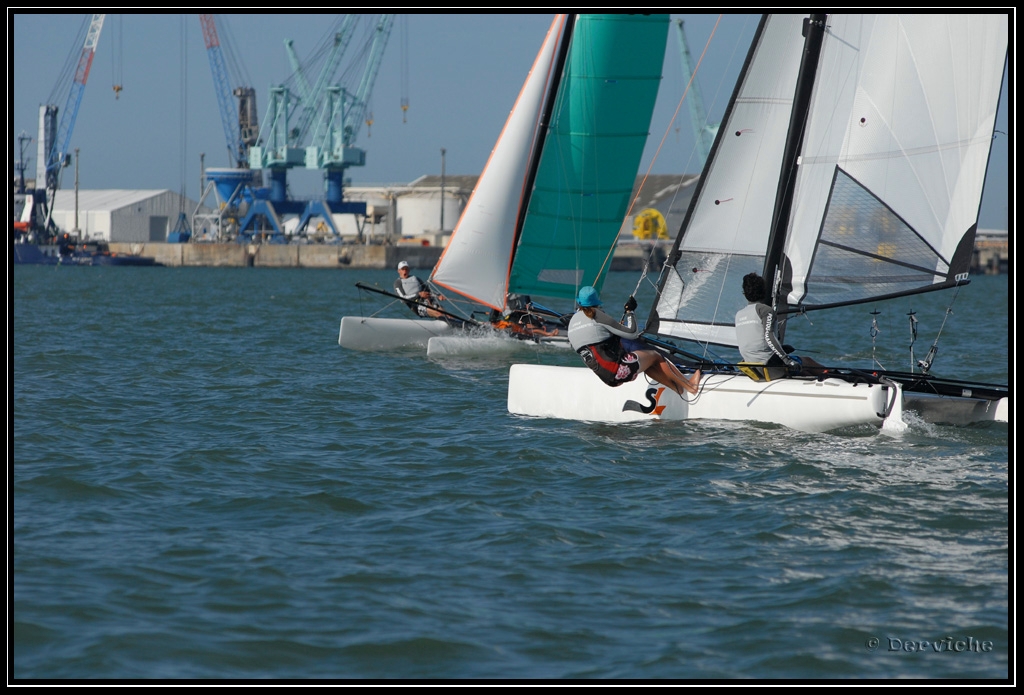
889 175
849 167
894 154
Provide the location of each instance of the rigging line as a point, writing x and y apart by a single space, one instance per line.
67 72
456 304
588 68
403 29
675 115
949 310
664 136
184 111
116 61
643 274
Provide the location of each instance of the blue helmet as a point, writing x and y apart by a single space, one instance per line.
588 297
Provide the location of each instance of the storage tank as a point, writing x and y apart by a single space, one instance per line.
375 224
419 213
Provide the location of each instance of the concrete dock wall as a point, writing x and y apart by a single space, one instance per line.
231 255
990 256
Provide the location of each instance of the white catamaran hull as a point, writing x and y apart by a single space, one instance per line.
439 338
953 410
358 333
472 345
576 393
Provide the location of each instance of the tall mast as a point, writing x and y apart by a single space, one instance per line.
549 108
814 34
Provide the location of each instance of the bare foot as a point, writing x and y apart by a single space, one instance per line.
694 382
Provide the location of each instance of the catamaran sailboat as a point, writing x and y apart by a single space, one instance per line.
545 215
849 168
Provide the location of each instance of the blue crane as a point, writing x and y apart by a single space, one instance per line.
55 140
242 126
333 148
233 185
59 152
355 111
311 96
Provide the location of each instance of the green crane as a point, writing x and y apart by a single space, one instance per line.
703 132
311 96
331 147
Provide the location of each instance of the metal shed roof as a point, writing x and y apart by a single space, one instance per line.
104 200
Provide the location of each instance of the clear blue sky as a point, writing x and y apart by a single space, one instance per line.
460 74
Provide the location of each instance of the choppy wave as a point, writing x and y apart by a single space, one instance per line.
205 486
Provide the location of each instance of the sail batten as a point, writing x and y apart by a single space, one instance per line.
902 121
876 257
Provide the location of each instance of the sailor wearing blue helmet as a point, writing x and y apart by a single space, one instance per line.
597 338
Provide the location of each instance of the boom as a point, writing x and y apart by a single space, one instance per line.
357 110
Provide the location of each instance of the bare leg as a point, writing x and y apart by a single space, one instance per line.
664 372
692 384
658 372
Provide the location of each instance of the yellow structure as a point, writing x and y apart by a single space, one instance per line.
650 224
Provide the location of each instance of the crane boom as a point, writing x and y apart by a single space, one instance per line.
305 89
357 111
703 132
330 149
313 96
59 151
236 149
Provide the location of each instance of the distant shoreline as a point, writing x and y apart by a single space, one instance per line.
991 255
631 256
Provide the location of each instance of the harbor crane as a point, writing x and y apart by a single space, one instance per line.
331 149
703 132
53 143
330 116
311 96
233 184
242 126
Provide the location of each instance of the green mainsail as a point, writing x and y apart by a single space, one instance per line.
593 145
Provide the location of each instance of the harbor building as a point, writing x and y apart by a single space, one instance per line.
128 216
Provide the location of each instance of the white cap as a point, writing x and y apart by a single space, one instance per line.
402 264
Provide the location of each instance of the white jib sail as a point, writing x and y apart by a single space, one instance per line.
728 231
478 258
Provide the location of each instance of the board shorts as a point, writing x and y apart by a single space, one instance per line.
613 372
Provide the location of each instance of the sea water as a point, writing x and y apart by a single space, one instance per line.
205 486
